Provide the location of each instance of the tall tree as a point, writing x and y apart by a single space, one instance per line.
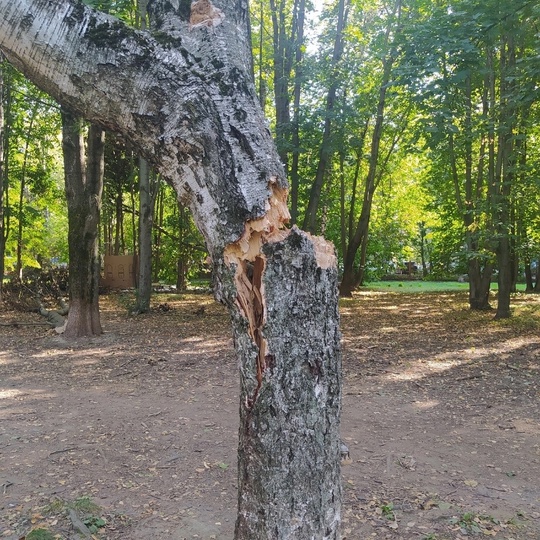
188 103
325 151
472 89
358 237
147 194
83 194
2 178
148 185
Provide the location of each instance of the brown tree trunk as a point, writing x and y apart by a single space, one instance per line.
295 137
147 193
191 109
325 151
2 177
479 284
359 238
83 193
22 191
529 285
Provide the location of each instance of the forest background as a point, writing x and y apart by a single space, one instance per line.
408 129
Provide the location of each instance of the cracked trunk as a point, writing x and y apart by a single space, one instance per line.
187 102
290 386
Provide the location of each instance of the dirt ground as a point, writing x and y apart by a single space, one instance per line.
134 433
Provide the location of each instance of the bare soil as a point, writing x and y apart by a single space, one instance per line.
441 414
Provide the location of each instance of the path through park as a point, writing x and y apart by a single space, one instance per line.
135 432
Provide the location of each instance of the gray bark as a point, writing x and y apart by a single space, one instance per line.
83 195
146 220
188 103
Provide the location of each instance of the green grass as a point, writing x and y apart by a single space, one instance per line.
415 286
423 286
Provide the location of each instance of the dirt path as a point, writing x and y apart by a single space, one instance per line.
441 415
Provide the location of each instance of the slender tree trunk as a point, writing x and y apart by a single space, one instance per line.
282 53
147 194
182 266
191 109
529 285
83 193
506 171
350 279
159 208
325 151
22 191
295 142
2 179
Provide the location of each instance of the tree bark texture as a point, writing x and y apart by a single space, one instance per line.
146 221
83 194
186 100
2 138
479 284
325 151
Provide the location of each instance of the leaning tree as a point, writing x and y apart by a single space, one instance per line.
183 95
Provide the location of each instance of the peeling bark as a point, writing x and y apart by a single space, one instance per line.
184 97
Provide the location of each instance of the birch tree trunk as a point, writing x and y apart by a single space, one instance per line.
188 103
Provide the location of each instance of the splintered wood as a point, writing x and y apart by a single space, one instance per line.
247 256
204 13
324 252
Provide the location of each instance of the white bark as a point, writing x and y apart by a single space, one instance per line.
185 98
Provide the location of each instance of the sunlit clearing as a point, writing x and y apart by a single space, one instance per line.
406 376
428 404
5 359
59 352
439 365
11 393
389 329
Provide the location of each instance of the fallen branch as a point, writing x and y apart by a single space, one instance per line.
79 525
5 485
63 450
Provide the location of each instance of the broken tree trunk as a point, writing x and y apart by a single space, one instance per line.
186 100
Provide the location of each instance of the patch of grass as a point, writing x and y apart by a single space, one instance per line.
416 286
470 523
419 286
85 505
40 534
388 510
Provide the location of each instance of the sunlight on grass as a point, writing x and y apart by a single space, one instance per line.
415 286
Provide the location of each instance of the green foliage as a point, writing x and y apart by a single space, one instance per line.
95 523
40 534
34 200
450 90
